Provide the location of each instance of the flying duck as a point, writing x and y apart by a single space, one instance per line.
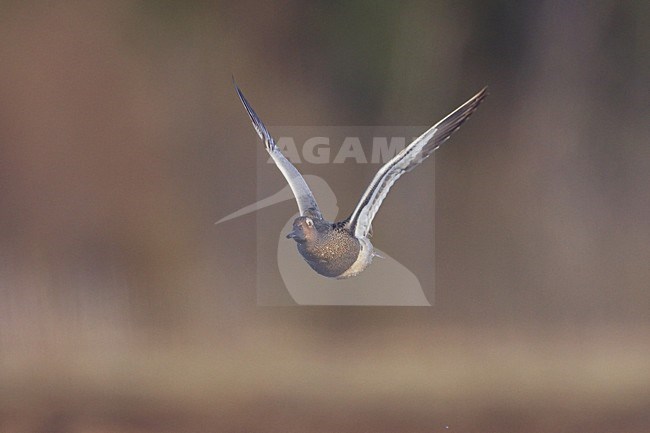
342 249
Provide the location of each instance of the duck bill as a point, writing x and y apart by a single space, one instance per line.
297 235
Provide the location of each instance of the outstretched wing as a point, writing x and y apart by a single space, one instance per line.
304 197
406 160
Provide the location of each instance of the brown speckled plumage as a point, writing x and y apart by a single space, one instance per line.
332 253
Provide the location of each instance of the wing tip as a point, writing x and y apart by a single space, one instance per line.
257 122
475 100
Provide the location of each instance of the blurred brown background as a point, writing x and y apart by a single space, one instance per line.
124 309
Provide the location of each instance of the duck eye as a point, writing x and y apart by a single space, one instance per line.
309 222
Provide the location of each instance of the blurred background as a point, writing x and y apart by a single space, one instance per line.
123 308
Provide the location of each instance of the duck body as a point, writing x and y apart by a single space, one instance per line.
331 249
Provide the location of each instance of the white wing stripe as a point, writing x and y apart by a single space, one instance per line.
304 197
383 181
406 160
